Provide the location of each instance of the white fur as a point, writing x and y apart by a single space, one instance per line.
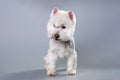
65 46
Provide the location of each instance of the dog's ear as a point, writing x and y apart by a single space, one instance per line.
72 16
54 11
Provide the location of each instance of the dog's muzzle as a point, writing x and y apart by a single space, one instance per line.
57 36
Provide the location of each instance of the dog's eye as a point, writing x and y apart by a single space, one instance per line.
63 27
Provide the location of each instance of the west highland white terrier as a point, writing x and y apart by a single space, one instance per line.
61 27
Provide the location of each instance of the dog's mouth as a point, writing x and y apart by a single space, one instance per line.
57 39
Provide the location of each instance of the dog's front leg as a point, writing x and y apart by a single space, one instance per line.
50 60
72 64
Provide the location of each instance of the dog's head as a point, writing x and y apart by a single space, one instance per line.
61 25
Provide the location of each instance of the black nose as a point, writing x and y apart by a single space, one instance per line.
57 36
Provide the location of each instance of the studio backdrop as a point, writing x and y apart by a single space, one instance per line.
24 41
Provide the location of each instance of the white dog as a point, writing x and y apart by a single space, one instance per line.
61 27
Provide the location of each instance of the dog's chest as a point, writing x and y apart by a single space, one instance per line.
62 50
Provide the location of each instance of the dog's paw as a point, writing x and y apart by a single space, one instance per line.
51 73
71 72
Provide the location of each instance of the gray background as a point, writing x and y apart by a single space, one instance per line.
23 36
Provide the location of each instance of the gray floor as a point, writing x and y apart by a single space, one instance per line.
82 74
